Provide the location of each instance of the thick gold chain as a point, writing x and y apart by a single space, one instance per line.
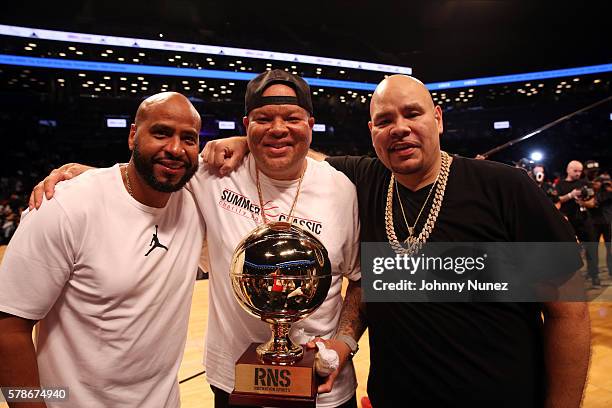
260 194
414 244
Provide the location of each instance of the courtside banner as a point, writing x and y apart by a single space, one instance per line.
475 272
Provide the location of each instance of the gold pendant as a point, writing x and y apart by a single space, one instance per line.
410 231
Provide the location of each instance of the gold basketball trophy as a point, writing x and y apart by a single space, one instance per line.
281 274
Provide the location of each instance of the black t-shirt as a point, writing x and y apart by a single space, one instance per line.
458 354
570 208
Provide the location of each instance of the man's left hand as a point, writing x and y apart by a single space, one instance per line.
343 354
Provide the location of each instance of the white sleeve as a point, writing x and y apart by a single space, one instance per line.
37 262
352 267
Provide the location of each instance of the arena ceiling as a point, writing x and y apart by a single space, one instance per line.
440 40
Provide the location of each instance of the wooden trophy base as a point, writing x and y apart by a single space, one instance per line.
274 385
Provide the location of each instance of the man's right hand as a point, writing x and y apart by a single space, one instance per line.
47 186
224 155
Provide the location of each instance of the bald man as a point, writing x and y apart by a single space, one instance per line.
456 354
106 267
575 207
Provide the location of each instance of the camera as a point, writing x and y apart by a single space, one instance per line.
586 193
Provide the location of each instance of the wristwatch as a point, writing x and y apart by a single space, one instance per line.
350 342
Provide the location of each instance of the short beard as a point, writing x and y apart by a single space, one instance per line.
144 168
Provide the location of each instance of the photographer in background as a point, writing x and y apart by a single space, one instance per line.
591 170
539 175
602 214
576 197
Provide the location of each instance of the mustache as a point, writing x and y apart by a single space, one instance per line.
168 156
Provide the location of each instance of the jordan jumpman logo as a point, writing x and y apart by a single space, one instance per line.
155 243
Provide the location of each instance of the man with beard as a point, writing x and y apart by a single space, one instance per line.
107 267
576 208
455 354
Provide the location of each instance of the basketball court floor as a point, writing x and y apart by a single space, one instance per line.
195 392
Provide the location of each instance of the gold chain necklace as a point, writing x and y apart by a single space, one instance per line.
411 229
260 194
127 180
414 244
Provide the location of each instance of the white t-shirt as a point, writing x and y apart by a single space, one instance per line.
113 322
327 207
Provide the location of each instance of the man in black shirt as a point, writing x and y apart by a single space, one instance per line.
575 206
602 214
461 354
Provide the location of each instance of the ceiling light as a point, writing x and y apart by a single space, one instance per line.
177 56
61 54
341 71
142 54
576 79
72 48
123 78
597 81
81 74
79 52
211 63
231 84
28 48
123 88
109 51
216 95
208 59
238 62
60 80
170 59
135 60
120 59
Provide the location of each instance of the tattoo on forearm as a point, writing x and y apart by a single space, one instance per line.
352 318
